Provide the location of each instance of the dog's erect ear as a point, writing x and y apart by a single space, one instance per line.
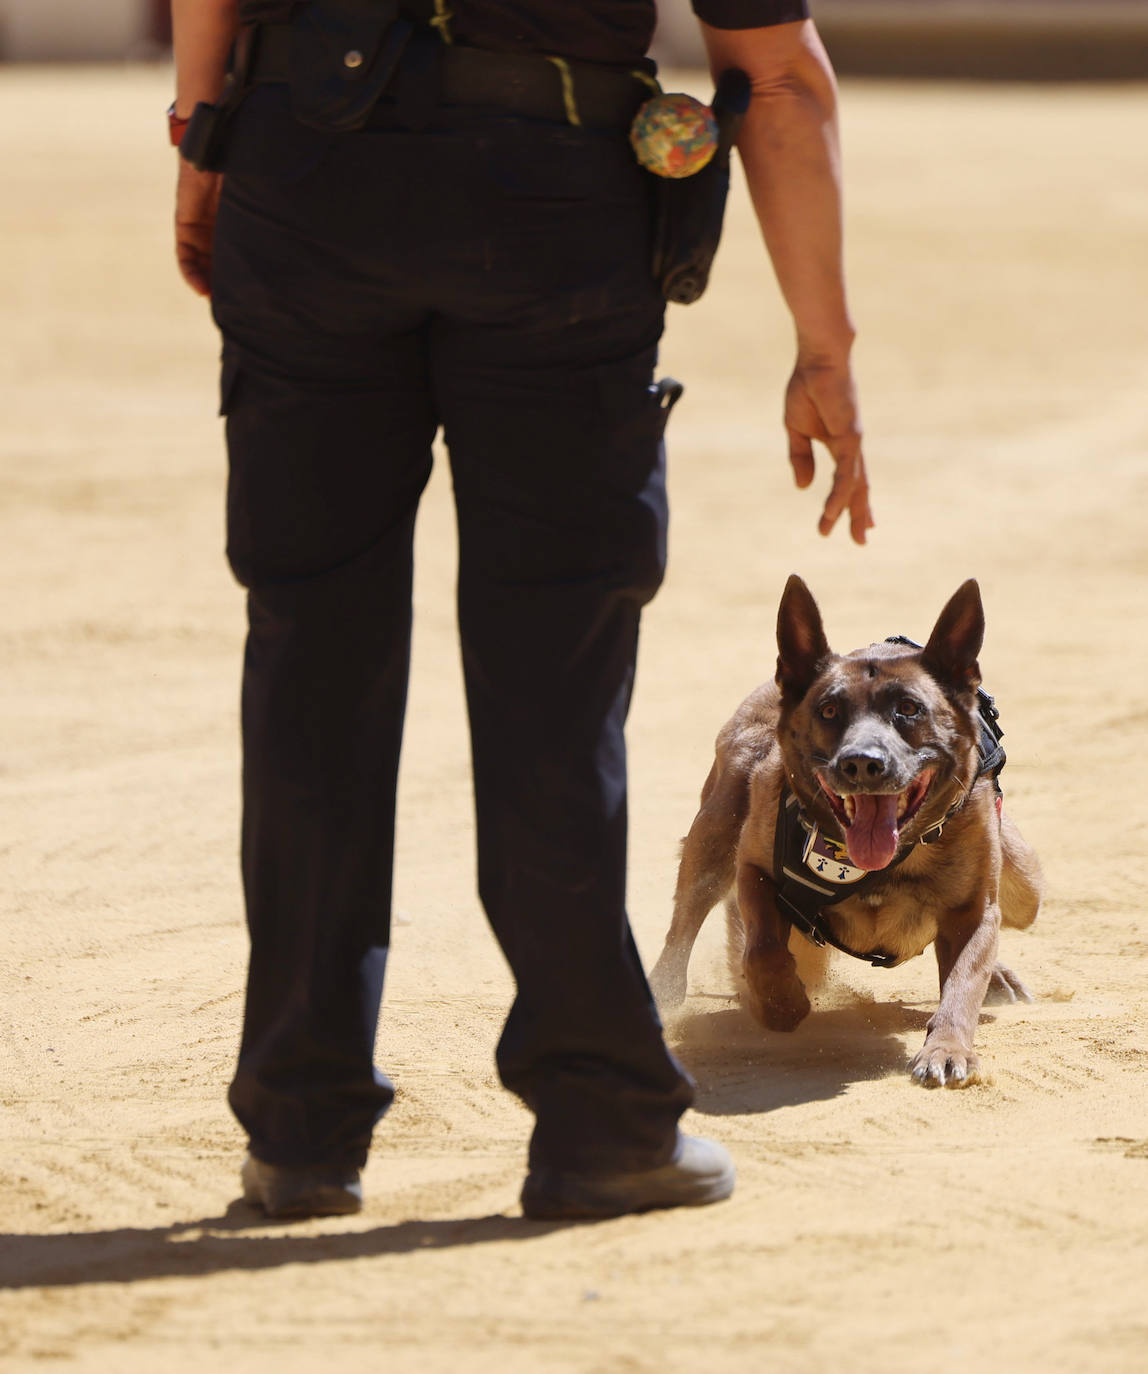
951 653
801 643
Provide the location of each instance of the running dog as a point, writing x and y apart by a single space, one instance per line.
854 802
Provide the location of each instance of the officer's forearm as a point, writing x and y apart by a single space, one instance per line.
202 32
791 153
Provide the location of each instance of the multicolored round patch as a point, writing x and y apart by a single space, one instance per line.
674 135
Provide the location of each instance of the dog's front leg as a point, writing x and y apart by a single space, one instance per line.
775 995
700 887
966 955
694 899
705 876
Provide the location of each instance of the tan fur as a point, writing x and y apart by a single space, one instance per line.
908 717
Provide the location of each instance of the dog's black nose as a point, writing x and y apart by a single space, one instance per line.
863 765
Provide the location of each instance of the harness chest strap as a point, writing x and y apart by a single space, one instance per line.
802 887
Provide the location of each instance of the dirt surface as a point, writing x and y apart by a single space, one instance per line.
997 243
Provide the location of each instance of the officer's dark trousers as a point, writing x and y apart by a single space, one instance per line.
489 276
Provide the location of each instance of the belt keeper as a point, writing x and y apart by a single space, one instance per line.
569 103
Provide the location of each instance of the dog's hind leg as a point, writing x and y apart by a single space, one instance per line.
705 875
1022 882
1021 889
1005 986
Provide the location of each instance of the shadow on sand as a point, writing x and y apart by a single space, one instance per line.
241 1239
742 1069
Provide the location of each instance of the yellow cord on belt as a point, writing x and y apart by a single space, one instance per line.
568 100
441 20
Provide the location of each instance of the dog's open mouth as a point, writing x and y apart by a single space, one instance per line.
872 821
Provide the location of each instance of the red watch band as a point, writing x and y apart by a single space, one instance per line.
176 127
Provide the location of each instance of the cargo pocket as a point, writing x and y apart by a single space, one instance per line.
343 55
632 416
631 474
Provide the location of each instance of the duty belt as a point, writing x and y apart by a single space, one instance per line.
550 88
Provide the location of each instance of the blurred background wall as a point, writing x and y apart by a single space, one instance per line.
984 39
83 30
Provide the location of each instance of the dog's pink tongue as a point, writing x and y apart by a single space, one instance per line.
873 837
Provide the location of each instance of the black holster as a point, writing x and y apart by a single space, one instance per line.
689 210
204 138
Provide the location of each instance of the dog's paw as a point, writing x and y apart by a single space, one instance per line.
944 1064
668 983
774 994
1005 986
778 1015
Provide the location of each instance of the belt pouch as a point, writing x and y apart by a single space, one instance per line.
688 220
343 55
689 210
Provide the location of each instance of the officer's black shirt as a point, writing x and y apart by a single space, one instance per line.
613 31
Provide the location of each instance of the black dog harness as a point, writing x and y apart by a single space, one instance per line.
812 870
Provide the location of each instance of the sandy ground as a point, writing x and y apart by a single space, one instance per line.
997 243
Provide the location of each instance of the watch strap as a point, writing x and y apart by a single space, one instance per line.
176 127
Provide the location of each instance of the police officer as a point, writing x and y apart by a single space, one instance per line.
425 214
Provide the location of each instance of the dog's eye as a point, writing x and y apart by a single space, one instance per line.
827 710
908 707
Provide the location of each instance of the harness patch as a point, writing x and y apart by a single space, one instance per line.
828 859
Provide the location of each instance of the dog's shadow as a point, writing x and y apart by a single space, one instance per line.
742 1069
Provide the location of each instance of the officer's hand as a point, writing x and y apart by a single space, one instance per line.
821 404
196 204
